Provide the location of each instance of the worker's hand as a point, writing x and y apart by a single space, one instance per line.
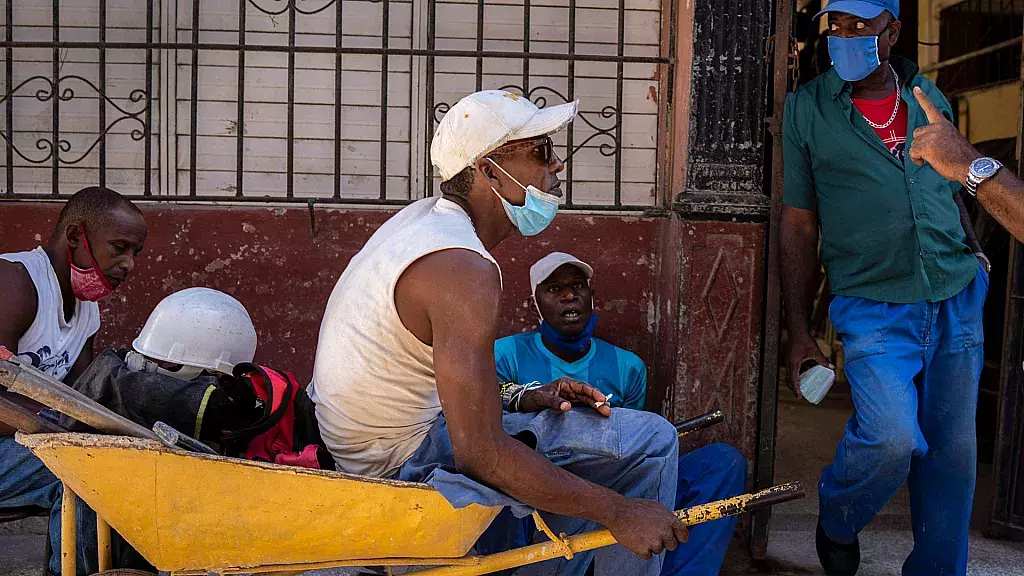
940 144
802 349
561 394
646 528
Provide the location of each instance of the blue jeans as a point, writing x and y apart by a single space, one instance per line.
707 474
710 473
633 453
913 370
25 481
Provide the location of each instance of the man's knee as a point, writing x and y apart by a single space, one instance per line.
898 443
657 437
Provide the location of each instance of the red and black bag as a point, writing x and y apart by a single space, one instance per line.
287 432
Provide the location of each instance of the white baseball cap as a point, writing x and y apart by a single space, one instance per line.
483 121
547 265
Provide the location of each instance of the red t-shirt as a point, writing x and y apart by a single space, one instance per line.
894 137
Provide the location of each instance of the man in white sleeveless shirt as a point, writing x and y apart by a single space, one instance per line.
409 333
48 316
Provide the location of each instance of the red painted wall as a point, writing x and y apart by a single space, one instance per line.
270 259
686 296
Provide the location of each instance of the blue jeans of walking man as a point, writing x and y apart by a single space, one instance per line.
913 370
25 481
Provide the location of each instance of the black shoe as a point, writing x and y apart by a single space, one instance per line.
837 559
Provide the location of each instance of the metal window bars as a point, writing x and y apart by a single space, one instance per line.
604 127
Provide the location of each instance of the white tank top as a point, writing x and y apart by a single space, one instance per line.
52 344
373 380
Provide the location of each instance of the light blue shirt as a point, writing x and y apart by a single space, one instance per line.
524 358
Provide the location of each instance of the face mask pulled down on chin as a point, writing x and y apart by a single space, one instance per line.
88 284
536 214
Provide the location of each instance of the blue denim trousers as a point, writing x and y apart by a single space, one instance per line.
25 481
633 453
914 371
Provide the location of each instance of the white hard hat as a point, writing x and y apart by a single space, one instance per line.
201 328
483 121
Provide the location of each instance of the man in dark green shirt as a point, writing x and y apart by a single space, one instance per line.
909 293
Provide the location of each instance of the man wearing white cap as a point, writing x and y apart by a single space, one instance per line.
564 346
409 331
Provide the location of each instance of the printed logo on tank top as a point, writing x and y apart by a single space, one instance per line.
46 360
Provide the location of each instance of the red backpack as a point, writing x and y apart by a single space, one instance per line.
287 433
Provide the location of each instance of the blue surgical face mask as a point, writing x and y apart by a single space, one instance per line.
854 58
536 214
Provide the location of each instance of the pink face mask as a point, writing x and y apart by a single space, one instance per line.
88 285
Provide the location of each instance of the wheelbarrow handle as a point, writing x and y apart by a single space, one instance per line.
699 423
601 538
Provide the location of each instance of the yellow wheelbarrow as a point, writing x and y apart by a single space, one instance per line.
194 514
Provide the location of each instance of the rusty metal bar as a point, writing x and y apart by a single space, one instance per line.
68 544
601 538
55 103
43 388
24 420
391 51
9 96
699 423
103 545
764 465
973 54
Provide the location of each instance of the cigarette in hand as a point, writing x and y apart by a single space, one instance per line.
606 400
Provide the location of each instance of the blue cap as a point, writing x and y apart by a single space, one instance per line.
862 8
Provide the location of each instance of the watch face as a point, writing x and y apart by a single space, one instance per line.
984 167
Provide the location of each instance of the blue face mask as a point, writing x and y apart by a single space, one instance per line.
536 214
854 58
570 344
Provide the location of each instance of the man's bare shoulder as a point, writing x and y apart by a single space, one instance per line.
20 302
453 268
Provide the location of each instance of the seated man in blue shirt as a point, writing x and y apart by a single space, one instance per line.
564 347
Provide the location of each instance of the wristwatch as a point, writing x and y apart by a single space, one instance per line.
981 170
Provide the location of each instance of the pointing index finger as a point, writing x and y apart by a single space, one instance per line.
934 114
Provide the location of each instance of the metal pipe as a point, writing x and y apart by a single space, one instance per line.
385 33
973 54
601 538
55 104
193 101
147 128
699 423
103 544
52 393
240 106
392 51
9 97
68 544
102 102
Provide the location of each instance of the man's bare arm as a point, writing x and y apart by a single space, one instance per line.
798 239
459 292
1003 198
946 150
18 307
